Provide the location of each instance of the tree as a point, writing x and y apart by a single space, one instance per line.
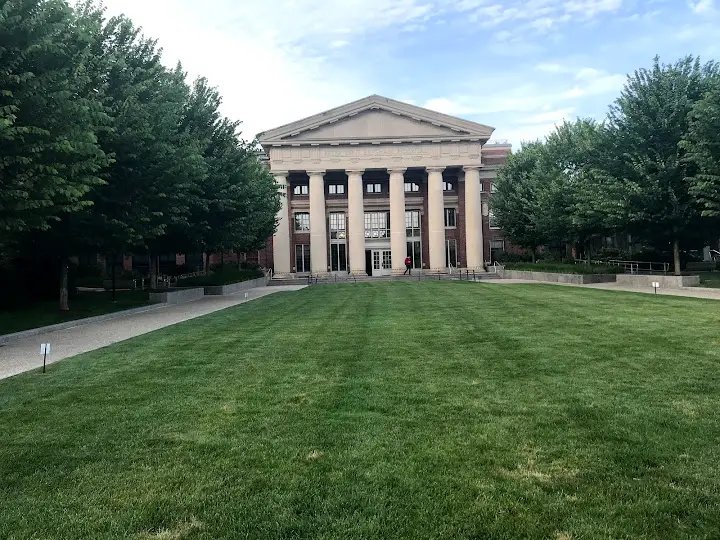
515 204
235 207
581 194
702 144
156 164
648 122
49 118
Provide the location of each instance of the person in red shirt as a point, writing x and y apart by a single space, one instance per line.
408 266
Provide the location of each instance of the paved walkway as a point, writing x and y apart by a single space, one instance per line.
692 292
24 354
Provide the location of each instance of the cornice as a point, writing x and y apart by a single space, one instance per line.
465 129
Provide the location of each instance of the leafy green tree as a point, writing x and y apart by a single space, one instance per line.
648 122
515 203
702 144
49 118
156 164
235 207
581 193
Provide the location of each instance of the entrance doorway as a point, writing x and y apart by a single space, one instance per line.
381 262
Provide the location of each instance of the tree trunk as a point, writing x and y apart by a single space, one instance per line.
533 255
239 261
153 271
112 277
676 255
64 305
222 258
206 262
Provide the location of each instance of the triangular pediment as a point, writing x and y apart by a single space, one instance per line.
374 119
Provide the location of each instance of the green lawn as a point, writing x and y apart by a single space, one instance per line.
86 304
387 410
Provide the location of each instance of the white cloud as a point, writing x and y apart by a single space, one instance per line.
702 6
542 14
551 68
591 8
449 106
271 68
553 116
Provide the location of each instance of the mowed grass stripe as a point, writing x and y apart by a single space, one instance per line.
404 410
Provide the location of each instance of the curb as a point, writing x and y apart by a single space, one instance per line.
7 338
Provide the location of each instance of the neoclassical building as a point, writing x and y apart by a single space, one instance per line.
375 181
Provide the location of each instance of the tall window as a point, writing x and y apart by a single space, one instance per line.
377 224
337 226
451 253
302 222
373 188
493 221
336 189
338 247
493 188
302 258
496 248
450 218
448 186
411 187
301 190
412 233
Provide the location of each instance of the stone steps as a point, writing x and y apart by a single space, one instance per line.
327 280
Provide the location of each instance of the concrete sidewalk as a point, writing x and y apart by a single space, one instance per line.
690 292
23 354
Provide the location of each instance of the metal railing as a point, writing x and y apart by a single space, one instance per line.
458 274
632 267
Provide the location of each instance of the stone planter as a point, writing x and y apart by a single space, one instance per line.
550 277
233 288
177 296
666 282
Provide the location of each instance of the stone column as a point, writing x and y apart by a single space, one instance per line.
398 237
473 218
356 222
436 218
318 224
281 238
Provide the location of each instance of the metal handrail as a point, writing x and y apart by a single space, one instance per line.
634 267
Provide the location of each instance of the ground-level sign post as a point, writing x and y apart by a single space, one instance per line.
655 285
44 350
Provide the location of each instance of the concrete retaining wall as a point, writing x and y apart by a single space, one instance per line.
177 296
233 288
576 279
666 282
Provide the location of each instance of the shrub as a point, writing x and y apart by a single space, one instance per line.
95 282
224 276
559 268
505 257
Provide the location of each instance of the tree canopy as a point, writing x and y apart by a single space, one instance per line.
650 170
104 149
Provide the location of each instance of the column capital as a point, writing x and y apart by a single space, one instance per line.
435 169
354 171
467 168
316 173
397 170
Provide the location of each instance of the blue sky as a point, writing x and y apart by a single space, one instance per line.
518 65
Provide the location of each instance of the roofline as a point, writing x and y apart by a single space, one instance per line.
277 135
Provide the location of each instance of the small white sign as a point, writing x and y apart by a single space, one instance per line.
246 296
45 348
656 284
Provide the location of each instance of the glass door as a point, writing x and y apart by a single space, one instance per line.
387 262
376 263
